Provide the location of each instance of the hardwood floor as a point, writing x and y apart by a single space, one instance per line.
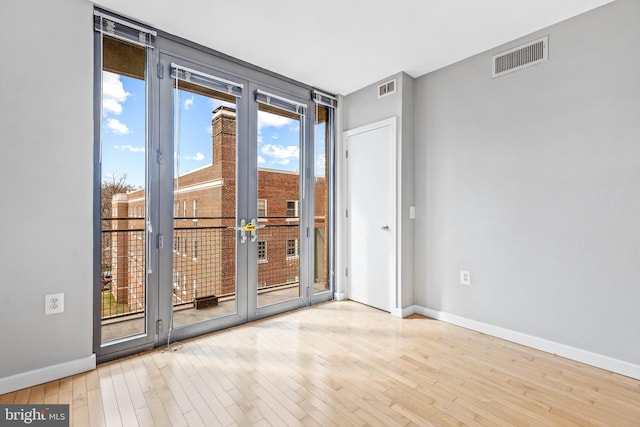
343 363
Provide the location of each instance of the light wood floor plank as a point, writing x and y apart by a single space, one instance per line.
37 395
343 364
109 399
95 407
7 399
79 416
52 392
23 396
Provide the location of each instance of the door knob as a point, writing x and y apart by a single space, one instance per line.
385 227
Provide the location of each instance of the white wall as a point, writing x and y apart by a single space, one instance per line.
364 107
531 181
46 170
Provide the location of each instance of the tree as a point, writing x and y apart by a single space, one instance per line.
115 184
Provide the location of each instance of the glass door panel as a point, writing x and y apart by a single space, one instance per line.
321 200
123 287
204 202
279 145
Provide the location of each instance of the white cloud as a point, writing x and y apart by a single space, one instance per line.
320 165
261 160
282 154
113 93
275 136
267 120
198 157
188 103
117 127
215 103
129 148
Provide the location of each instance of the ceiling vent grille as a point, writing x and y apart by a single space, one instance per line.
387 88
521 57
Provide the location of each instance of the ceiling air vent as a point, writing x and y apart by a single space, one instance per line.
387 88
521 57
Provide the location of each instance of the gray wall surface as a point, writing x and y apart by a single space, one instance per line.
47 174
531 182
364 107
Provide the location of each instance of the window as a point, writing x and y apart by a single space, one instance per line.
262 251
176 209
184 245
262 208
184 209
176 245
195 210
292 208
292 248
195 250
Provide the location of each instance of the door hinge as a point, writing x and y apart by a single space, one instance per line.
346 272
346 213
159 156
308 232
159 327
346 154
160 241
160 71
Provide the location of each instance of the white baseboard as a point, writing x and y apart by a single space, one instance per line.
583 356
46 374
403 312
340 296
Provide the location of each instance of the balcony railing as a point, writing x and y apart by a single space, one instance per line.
204 260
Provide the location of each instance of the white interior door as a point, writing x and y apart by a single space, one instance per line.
371 203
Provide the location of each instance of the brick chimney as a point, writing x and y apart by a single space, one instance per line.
223 125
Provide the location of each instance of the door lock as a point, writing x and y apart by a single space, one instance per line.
254 229
242 229
251 227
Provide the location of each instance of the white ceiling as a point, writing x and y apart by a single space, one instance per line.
343 45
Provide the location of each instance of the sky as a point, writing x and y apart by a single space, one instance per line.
123 133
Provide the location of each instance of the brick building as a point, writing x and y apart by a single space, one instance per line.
204 260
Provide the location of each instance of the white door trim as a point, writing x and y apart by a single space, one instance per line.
395 222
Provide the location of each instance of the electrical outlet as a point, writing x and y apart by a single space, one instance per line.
465 277
53 303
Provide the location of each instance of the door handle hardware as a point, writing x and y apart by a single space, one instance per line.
254 229
242 229
385 227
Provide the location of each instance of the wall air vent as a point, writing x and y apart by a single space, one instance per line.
521 57
387 88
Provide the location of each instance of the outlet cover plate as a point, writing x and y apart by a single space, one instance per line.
53 304
465 277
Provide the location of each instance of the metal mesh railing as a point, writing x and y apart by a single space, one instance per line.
204 261
123 272
278 255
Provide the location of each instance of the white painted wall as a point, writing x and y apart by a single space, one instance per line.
46 169
531 181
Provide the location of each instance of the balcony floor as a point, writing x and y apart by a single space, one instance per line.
134 324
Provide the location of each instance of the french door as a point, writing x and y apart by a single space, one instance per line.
235 193
216 224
